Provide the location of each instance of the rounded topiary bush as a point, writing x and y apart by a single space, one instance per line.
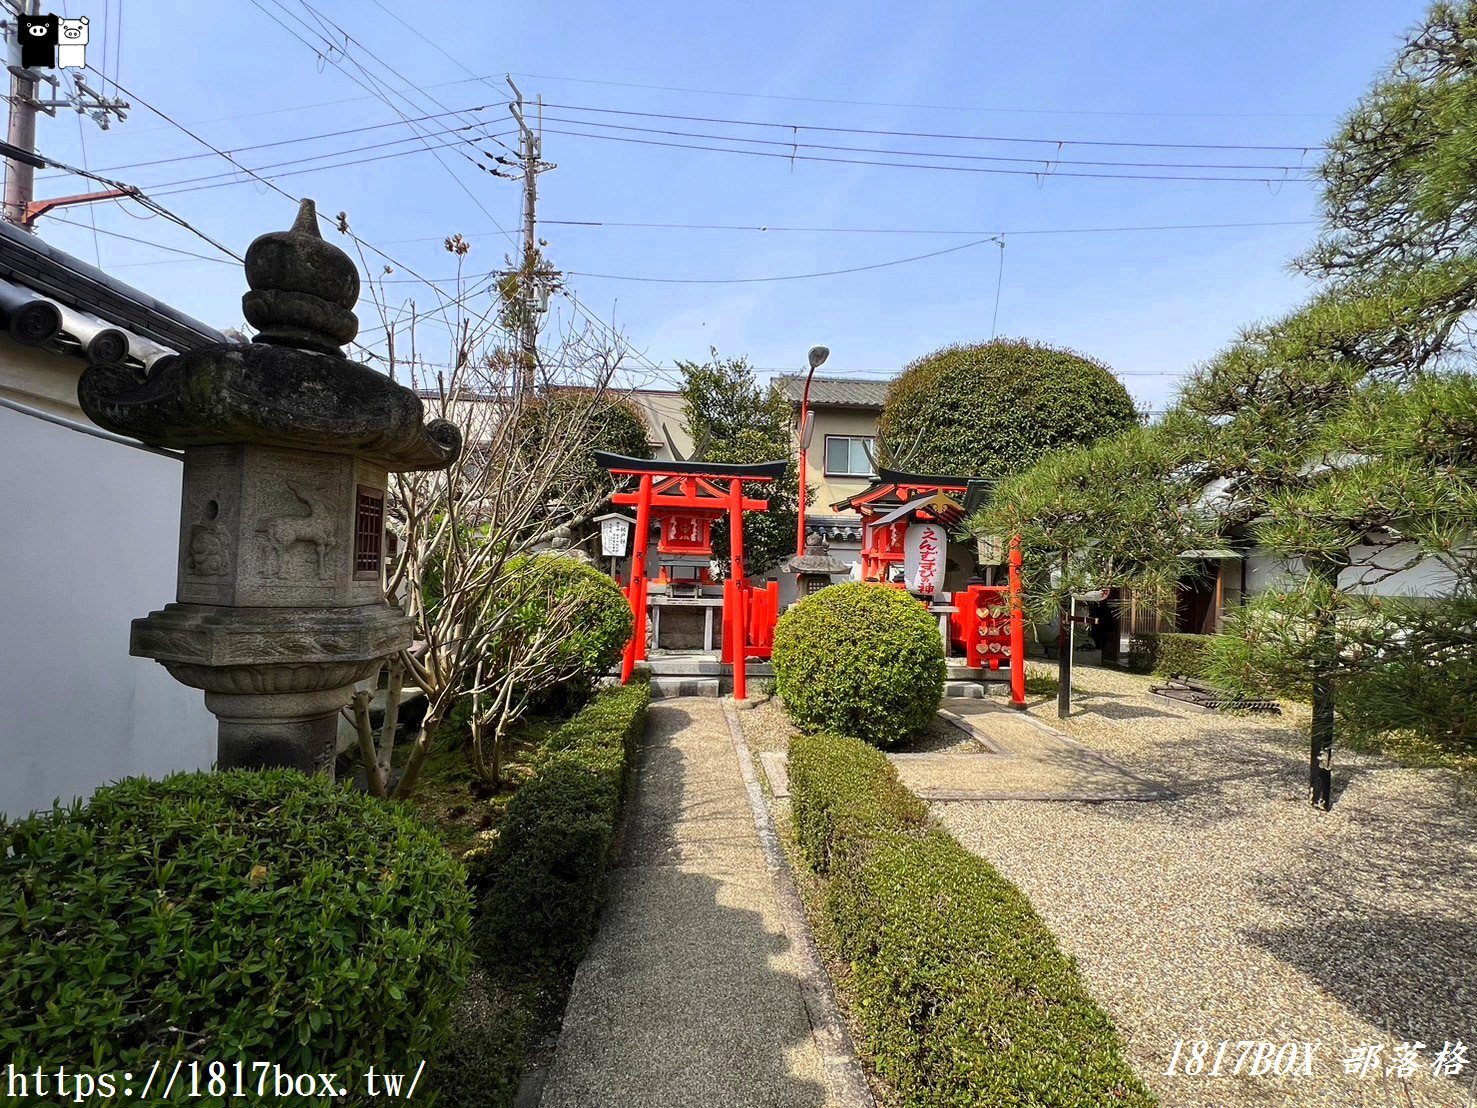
993 409
591 618
860 659
265 915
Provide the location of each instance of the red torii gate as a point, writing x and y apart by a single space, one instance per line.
703 491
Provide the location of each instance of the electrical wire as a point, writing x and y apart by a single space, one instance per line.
1038 174
440 293
794 127
1048 163
909 230
369 77
927 107
282 142
784 277
188 254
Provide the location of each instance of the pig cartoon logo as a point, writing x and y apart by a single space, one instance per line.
38 35
71 50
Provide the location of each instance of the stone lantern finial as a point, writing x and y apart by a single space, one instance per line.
302 288
288 446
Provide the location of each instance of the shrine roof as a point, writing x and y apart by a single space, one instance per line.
758 471
883 491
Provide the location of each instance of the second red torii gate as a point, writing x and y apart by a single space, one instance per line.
706 490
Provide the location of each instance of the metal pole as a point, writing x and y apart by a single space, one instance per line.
20 177
804 447
1064 653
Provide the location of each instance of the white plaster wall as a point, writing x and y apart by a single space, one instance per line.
91 533
1428 578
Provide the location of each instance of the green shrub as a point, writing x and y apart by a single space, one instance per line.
962 995
269 915
860 659
594 623
1143 653
844 791
1182 655
995 408
555 839
491 1028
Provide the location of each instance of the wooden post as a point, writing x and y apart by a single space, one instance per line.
636 648
739 600
1017 629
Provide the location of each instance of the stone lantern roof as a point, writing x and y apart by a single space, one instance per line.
290 386
817 558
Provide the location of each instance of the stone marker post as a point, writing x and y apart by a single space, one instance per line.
280 607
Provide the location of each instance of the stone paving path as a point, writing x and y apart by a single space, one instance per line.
1018 757
698 990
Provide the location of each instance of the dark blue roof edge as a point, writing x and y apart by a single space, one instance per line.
29 261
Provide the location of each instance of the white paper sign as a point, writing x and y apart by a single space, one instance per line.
615 532
924 552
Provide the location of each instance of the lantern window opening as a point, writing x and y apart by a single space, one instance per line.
369 530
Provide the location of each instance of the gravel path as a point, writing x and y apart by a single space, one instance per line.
1238 912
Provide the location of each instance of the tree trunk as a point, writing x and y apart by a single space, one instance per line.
419 752
1320 755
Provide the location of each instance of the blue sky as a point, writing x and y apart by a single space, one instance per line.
1149 303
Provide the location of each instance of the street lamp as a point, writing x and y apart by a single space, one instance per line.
816 357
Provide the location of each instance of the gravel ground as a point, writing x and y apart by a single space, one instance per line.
1238 912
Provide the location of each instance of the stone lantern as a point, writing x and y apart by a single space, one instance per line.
280 606
815 568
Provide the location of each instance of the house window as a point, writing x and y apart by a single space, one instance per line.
369 531
846 456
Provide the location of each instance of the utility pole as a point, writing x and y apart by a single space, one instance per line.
532 290
20 176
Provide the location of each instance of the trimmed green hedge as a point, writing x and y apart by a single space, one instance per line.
555 839
860 659
961 994
1143 652
272 915
543 881
843 791
1182 655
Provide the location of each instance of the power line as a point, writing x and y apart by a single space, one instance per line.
1047 163
795 127
318 157
928 107
145 242
272 185
1039 174
324 20
910 230
287 142
785 277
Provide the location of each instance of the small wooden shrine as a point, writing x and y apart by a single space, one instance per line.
683 499
906 520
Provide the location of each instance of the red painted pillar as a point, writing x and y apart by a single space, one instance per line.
1017 629
738 601
636 648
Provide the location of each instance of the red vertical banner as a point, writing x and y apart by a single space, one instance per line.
1017 629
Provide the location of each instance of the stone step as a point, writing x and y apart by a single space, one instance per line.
663 688
699 665
965 690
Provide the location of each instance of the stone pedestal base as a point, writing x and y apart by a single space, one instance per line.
274 678
260 731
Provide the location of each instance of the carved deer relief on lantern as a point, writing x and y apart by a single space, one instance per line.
317 528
